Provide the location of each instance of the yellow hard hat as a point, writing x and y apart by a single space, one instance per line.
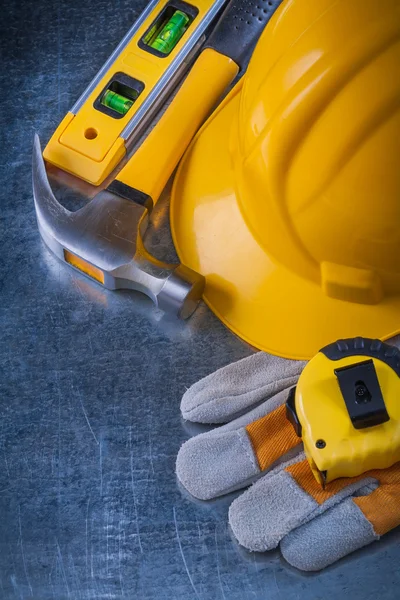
288 199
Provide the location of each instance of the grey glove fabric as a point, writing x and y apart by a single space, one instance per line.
259 383
275 510
239 387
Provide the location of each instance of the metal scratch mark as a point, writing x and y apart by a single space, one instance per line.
87 537
50 577
15 586
133 492
22 550
218 569
101 468
91 561
7 469
121 584
277 586
62 567
27 466
183 556
151 453
226 551
91 344
58 446
87 419
114 410
74 573
107 553
198 530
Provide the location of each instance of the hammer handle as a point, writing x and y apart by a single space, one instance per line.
150 168
227 51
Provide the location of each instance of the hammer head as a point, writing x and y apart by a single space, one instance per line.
103 239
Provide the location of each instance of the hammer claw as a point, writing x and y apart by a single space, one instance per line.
106 234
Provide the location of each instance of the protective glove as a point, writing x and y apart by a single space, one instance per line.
285 505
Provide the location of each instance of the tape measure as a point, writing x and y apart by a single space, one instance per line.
346 408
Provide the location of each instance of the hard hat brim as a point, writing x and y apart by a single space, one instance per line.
258 299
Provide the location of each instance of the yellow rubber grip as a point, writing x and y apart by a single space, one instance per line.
154 162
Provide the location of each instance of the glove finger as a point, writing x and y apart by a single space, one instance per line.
348 526
232 390
329 537
284 500
233 456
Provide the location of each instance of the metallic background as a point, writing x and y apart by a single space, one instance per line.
90 384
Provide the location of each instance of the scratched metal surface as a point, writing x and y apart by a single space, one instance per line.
91 382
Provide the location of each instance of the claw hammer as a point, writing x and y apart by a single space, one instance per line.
104 238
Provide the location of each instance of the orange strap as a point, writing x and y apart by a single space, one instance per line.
302 474
381 507
271 437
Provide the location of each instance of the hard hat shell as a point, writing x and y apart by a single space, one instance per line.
288 199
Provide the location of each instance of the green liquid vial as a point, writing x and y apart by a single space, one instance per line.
171 33
116 102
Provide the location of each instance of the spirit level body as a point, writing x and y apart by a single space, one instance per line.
89 143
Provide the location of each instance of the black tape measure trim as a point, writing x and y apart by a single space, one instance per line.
360 346
291 413
362 394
